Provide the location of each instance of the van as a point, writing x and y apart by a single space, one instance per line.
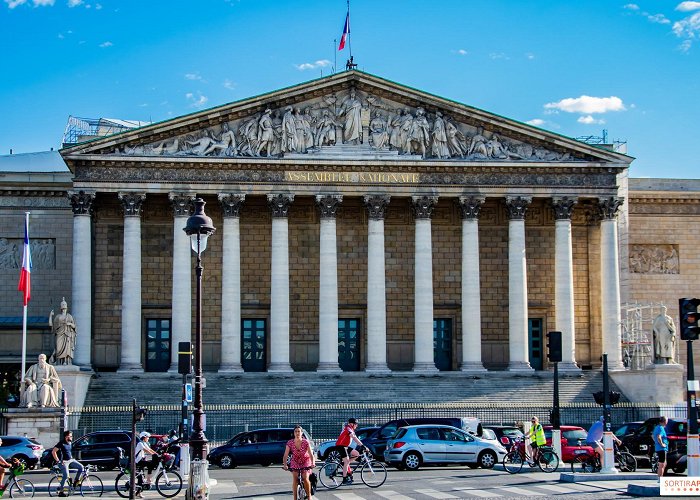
377 441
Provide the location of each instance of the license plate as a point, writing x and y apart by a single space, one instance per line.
580 452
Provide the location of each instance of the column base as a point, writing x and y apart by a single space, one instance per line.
379 368
130 368
231 368
424 367
520 366
618 365
328 367
569 367
472 367
280 368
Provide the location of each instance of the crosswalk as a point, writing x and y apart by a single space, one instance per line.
442 489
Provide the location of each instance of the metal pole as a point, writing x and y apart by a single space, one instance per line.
693 444
132 460
556 415
198 440
609 452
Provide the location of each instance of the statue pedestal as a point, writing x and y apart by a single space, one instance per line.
655 384
75 382
42 424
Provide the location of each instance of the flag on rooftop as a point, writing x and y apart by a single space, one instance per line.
25 274
346 32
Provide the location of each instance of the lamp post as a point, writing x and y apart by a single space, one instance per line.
199 228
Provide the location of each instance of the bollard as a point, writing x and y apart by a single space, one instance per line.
185 459
198 488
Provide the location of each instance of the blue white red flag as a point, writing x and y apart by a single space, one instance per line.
25 275
346 32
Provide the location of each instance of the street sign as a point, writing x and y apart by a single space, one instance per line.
188 392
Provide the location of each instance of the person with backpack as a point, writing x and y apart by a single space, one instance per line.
63 456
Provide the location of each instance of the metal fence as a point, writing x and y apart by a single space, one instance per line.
323 421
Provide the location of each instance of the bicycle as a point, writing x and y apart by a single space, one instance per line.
88 484
301 492
590 461
168 481
18 488
372 472
547 460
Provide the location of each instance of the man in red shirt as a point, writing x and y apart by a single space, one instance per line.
348 454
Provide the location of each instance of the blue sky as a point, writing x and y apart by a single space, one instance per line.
575 68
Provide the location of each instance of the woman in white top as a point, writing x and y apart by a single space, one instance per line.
143 449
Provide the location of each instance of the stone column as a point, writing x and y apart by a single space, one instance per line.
81 203
610 281
279 292
564 281
328 285
131 283
517 284
424 357
231 205
471 288
376 284
181 317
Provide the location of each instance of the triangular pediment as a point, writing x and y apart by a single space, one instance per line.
350 115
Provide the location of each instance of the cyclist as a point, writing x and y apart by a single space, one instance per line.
595 437
537 439
302 461
3 464
347 436
64 459
143 449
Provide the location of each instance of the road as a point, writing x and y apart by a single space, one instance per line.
442 483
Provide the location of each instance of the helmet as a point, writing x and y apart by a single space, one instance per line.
352 420
172 433
145 434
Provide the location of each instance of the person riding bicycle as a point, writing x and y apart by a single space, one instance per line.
3 465
302 461
595 437
64 460
142 450
537 439
347 436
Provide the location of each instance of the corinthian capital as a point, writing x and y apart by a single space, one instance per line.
607 207
423 206
231 203
81 202
517 206
181 203
470 206
563 207
132 203
328 204
279 204
376 205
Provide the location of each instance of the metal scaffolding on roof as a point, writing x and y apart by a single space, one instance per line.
83 129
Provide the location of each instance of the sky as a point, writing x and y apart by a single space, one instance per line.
574 68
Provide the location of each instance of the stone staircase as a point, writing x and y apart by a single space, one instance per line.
356 387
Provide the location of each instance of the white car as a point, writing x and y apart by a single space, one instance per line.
325 450
417 445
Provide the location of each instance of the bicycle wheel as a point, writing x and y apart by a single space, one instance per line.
626 462
513 461
122 485
548 461
91 486
330 474
22 488
654 463
169 483
373 474
582 463
54 486
301 492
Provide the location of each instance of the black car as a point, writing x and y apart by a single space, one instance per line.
102 448
261 446
641 444
627 428
506 433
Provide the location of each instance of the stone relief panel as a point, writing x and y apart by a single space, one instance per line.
43 253
347 123
654 259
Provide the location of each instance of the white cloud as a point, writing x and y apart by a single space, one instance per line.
462 52
106 44
193 76
688 28
685 46
228 84
196 101
98 6
587 104
321 63
589 120
537 122
43 3
688 6
14 3
631 6
74 3
498 55
530 55
656 18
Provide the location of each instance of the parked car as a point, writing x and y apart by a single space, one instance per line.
506 433
21 448
641 444
376 443
104 449
627 428
573 441
261 446
417 445
325 448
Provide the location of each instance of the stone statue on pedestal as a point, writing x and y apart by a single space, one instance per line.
41 386
64 330
664 338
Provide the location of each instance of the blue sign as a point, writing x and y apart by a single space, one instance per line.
188 393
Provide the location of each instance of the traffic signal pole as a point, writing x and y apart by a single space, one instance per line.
554 353
609 452
693 443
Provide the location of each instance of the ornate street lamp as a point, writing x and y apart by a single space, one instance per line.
199 228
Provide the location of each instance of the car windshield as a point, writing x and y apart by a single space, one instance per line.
512 433
488 434
573 436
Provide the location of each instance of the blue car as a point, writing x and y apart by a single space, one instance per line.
261 446
22 448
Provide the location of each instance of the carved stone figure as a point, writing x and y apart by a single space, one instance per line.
440 148
309 127
455 140
41 385
9 254
266 134
249 137
225 145
200 145
478 144
351 110
395 126
289 131
325 132
405 132
495 149
420 133
64 330
167 147
664 338
378 131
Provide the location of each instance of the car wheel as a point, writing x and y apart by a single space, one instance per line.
473 466
487 459
226 461
411 460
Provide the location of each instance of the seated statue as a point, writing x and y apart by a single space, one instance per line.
41 385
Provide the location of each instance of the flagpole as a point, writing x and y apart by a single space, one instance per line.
24 322
349 35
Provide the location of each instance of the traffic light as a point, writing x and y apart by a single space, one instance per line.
600 397
184 358
139 414
689 316
554 346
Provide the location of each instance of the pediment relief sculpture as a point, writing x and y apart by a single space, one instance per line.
347 123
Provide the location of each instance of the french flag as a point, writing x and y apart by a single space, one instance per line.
346 32
25 275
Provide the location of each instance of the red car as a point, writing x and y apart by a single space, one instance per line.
573 441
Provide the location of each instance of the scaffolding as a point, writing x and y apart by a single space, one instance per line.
83 129
616 145
638 334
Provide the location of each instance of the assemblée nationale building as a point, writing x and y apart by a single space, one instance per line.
361 225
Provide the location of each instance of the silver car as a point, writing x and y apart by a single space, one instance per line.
417 445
